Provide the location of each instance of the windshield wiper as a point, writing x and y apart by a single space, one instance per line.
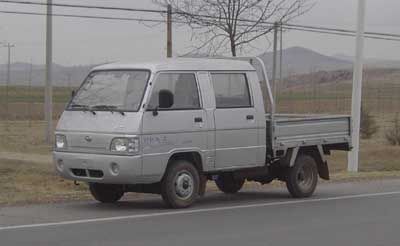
110 108
83 107
104 107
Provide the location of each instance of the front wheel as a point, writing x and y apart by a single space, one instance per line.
302 178
180 184
106 193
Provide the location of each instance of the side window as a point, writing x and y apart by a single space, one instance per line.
231 90
183 88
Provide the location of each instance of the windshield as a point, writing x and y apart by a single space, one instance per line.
111 90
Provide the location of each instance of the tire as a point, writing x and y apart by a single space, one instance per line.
180 184
106 193
302 178
228 184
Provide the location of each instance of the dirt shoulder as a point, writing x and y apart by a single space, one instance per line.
31 179
28 157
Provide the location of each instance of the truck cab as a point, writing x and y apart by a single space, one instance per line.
167 127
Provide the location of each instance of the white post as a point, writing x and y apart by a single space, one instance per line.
275 58
357 89
48 104
8 81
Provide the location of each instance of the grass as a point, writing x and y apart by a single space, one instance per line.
28 176
23 103
26 182
33 182
25 94
374 156
23 137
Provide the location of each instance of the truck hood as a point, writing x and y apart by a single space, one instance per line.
93 133
103 122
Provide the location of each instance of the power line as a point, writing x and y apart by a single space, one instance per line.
185 13
287 27
339 34
298 26
84 16
84 6
342 30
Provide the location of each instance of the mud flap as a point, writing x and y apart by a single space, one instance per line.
323 170
203 185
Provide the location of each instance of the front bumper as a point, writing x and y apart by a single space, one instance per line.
98 168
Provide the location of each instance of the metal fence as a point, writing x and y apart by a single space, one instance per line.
381 97
22 126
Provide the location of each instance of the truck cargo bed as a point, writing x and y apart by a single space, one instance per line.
290 131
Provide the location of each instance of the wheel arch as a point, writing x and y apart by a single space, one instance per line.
315 151
191 156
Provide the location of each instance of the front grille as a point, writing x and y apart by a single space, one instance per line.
95 173
79 172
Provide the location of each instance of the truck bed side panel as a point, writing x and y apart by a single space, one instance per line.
323 130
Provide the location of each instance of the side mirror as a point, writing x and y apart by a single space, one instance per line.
73 92
165 99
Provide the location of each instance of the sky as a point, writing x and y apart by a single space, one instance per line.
83 41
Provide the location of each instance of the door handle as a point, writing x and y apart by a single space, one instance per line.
198 120
250 117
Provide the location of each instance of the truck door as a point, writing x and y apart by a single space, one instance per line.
236 128
179 126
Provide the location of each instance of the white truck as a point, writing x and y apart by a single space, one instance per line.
167 127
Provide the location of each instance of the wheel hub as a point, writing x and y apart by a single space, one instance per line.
305 178
184 185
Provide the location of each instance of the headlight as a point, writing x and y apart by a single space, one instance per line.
125 145
61 141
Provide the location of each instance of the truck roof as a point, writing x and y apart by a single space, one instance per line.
182 64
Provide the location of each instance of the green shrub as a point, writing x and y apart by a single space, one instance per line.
368 125
393 134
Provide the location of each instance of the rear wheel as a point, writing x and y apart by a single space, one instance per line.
180 185
302 178
106 193
228 184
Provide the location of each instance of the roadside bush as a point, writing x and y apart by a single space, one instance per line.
368 126
393 134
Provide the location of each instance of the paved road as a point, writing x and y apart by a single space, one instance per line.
360 213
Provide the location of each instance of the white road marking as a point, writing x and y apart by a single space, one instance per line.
193 211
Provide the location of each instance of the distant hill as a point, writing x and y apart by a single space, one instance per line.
298 60
372 75
62 75
372 62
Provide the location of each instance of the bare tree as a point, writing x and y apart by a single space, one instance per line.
232 25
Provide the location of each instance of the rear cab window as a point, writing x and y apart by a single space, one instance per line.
231 90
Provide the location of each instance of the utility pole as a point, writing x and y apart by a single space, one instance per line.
353 156
8 79
48 99
169 31
280 52
69 80
30 94
9 46
275 57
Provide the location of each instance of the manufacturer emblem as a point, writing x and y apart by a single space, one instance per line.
88 139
